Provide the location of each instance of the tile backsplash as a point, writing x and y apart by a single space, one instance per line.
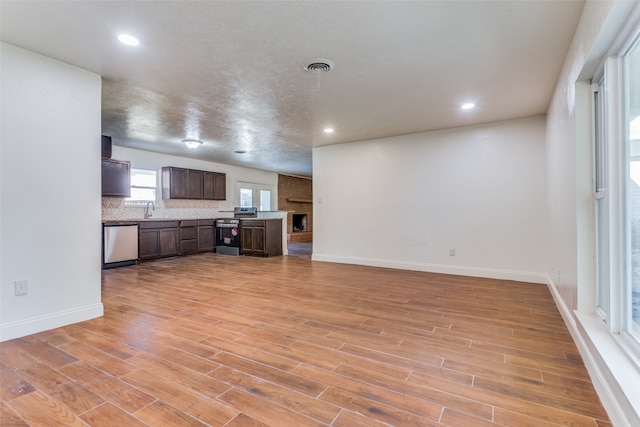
114 209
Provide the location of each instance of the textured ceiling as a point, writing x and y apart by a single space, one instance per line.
231 73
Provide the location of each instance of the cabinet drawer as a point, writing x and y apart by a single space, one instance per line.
189 223
188 246
252 223
158 224
187 233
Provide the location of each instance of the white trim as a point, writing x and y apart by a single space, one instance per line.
489 273
611 371
34 325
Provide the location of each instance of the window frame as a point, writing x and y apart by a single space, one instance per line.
627 323
613 192
256 188
134 202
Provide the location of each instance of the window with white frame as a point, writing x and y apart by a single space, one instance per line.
617 193
631 128
143 187
259 195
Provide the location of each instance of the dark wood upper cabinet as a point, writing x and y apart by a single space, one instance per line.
106 147
208 185
195 184
214 186
116 178
175 183
180 183
220 186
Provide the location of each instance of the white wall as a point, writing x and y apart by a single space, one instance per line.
50 193
570 264
405 201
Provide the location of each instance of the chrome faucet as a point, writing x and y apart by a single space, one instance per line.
147 214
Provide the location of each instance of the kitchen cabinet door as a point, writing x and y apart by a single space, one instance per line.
220 186
194 189
206 238
246 240
116 178
106 147
175 183
169 242
148 244
208 185
214 186
261 237
258 243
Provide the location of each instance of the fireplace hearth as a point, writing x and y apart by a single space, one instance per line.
299 223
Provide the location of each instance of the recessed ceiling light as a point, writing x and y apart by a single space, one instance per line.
192 143
328 130
239 151
128 40
468 106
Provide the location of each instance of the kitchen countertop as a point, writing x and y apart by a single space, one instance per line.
137 220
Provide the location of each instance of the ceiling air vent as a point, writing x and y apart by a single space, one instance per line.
317 65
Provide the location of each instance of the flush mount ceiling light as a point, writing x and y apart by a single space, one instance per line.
319 64
192 143
328 130
468 106
129 40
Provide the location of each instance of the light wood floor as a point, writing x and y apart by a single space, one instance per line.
236 341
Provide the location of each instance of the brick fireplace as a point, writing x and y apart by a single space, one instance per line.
295 194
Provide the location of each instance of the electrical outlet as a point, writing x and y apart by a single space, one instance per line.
452 252
22 287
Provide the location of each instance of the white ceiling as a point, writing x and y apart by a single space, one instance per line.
231 73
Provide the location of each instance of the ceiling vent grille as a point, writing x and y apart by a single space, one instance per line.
317 65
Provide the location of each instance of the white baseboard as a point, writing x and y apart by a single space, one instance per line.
490 273
9 331
606 362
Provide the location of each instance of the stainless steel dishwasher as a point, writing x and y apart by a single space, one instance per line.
120 244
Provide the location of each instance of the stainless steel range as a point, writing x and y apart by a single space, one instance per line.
228 236
228 231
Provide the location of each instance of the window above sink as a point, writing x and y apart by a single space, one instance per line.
144 186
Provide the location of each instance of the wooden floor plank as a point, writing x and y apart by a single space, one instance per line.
8 417
282 396
162 414
108 387
108 415
38 409
230 341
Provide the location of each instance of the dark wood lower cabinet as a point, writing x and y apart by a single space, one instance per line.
148 244
169 242
157 239
261 237
188 237
206 235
